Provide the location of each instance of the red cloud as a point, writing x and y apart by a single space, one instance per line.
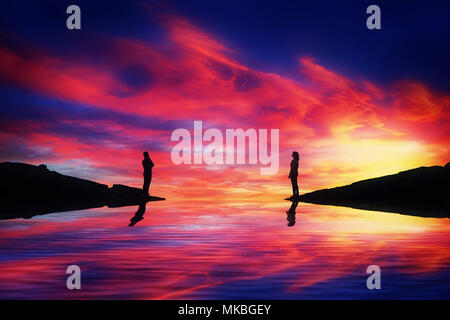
195 76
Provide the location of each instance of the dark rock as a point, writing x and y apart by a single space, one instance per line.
27 190
423 191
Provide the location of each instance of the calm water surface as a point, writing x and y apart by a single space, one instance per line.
193 250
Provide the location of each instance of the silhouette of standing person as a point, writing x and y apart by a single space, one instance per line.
293 174
148 164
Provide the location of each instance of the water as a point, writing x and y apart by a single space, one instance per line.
197 250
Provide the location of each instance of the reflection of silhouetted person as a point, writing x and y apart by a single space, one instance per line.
293 174
147 163
139 215
291 214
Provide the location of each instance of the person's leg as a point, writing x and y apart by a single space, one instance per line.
295 186
146 185
293 182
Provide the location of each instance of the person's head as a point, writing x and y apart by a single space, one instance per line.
295 155
146 156
291 220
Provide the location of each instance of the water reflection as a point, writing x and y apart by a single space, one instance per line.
139 215
196 250
291 214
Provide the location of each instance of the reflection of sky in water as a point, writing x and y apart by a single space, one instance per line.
191 250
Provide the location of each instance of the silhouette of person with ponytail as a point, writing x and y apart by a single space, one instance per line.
293 174
147 164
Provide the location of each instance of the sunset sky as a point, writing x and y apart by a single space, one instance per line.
354 103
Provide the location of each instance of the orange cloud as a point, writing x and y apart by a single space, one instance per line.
345 129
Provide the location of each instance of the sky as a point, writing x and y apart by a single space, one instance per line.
355 103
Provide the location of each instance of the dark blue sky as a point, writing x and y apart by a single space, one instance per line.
81 94
267 35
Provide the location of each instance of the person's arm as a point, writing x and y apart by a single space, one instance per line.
151 163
